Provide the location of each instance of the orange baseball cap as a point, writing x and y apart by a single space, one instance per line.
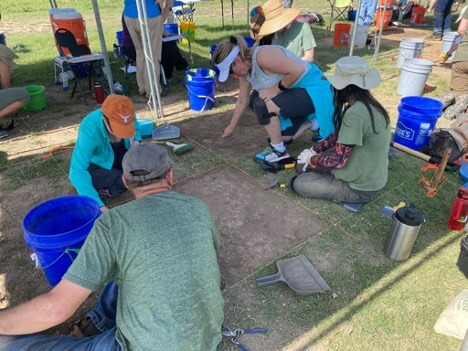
120 114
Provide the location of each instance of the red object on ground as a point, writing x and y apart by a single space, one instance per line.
459 213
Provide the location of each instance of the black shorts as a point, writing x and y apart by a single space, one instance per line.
294 103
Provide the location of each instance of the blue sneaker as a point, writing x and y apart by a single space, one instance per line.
271 155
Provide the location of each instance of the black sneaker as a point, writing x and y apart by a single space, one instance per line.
271 155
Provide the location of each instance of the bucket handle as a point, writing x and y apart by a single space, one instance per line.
207 98
67 251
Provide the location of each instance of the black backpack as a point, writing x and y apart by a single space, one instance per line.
454 138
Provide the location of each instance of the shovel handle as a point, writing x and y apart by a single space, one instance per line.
269 279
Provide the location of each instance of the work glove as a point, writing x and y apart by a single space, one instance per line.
444 57
304 158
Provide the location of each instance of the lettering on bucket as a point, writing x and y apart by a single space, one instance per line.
404 131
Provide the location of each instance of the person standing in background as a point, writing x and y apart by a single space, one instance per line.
367 12
442 18
155 26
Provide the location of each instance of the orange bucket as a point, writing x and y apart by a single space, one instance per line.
73 21
417 14
378 18
389 3
341 35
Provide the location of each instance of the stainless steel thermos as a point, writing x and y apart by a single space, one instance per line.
405 227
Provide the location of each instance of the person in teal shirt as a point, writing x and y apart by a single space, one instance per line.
104 136
155 257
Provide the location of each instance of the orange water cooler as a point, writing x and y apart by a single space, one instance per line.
71 20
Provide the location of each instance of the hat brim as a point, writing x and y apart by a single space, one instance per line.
272 25
225 66
368 81
122 131
223 74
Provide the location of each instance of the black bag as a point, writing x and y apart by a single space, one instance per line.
454 138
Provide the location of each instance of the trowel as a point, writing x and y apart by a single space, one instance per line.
299 274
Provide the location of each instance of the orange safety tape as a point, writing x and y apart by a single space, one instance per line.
428 167
58 148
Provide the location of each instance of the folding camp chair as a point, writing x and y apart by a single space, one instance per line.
339 10
183 10
79 60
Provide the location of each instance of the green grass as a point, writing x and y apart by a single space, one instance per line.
379 304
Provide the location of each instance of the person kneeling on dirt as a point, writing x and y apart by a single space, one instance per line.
291 92
158 257
357 169
104 136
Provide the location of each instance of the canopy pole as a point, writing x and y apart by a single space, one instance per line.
382 20
149 58
108 72
353 35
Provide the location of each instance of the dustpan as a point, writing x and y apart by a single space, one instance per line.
165 132
299 274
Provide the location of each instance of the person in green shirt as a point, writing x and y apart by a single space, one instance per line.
355 166
274 19
155 256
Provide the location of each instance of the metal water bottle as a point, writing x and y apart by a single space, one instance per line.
405 227
459 213
64 80
99 92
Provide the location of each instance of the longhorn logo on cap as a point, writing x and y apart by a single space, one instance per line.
125 118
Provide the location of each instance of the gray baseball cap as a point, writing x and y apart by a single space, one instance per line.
145 161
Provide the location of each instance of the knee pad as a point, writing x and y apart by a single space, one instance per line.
261 111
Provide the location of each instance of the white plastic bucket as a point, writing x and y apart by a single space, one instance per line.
409 48
447 41
413 76
361 36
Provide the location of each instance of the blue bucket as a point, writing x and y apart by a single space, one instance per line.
172 28
2 38
119 36
200 84
352 15
56 229
417 118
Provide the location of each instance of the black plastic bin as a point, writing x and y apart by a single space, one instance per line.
462 262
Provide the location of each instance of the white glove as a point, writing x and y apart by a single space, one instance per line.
304 158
